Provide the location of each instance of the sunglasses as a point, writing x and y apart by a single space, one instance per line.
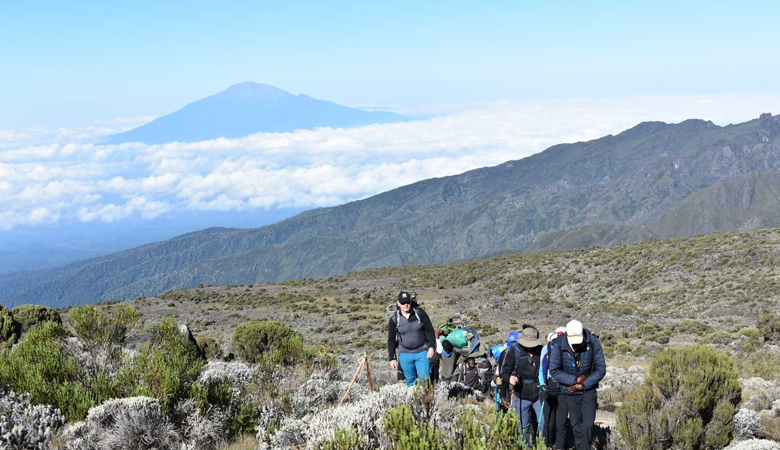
405 301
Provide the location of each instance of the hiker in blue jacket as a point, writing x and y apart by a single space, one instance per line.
577 363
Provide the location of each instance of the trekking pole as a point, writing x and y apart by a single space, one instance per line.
368 373
357 372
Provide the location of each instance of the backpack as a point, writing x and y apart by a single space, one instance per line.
469 376
553 387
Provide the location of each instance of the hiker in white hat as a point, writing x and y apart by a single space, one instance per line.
577 363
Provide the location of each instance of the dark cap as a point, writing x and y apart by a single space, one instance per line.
404 297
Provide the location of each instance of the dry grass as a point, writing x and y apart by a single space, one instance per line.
243 442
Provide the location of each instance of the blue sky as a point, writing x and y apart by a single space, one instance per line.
66 63
488 82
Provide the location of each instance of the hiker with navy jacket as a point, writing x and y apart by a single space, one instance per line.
415 340
577 363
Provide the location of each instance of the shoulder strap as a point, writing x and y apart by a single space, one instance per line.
397 323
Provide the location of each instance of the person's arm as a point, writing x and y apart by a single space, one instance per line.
502 388
543 364
427 327
391 344
508 366
556 368
599 368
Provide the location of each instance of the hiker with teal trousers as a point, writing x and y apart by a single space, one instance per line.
410 332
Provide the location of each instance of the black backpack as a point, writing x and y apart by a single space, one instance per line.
553 387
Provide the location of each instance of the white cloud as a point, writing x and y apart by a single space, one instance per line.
51 175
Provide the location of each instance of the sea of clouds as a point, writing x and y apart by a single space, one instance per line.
65 174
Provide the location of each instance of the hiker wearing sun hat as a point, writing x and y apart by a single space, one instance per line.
577 363
520 371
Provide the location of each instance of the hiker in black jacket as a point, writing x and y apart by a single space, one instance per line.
416 342
520 371
577 363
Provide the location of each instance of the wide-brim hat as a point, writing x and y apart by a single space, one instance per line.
530 338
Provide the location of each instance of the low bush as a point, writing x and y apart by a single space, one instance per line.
9 328
688 401
124 424
210 347
769 324
269 341
30 315
24 426
38 366
344 439
165 368
99 329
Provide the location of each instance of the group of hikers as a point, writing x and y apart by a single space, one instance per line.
549 383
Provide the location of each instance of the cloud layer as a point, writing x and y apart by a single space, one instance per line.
48 176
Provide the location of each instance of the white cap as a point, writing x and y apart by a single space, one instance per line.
560 330
552 336
574 332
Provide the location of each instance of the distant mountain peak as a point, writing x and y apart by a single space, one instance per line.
252 89
248 108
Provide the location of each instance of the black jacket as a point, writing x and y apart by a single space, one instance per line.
416 313
516 361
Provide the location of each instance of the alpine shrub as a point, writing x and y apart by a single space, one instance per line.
38 366
9 328
135 423
30 315
211 348
404 433
688 401
165 368
98 329
344 439
269 341
24 426
769 324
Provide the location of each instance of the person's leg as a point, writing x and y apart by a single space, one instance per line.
548 412
406 362
573 402
525 420
537 406
588 408
561 419
423 366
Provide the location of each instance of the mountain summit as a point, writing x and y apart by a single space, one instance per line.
249 108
